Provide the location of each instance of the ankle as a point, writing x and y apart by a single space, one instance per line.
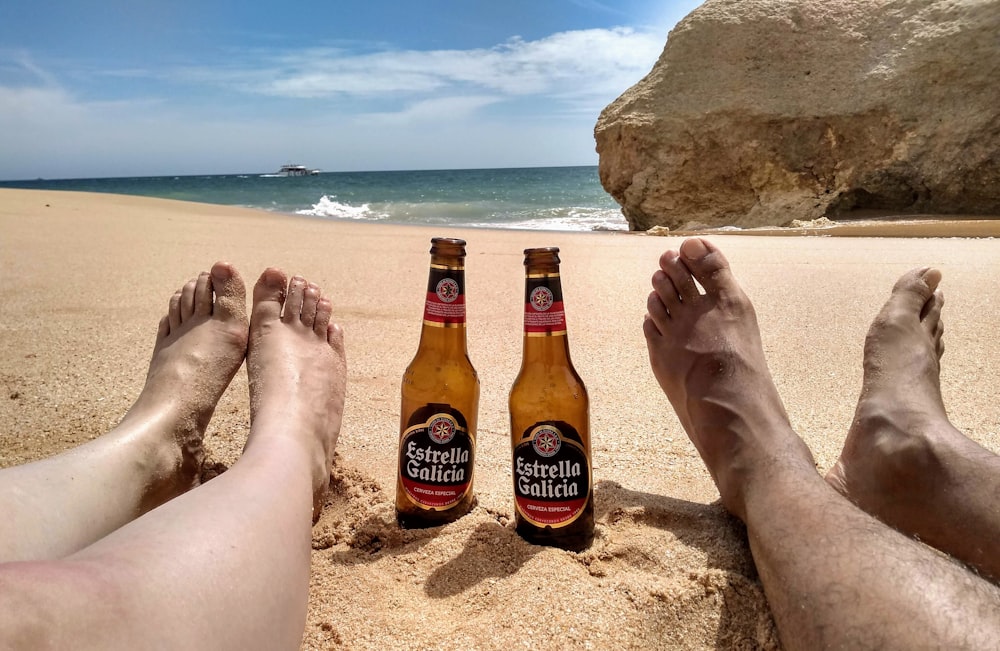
273 438
168 462
747 475
770 485
895 441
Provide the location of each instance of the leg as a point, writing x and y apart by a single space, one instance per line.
59 505
903 461
833 575
225 566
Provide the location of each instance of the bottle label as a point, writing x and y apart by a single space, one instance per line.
436 458
445 305
551 475
543 306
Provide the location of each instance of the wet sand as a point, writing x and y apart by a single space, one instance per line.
87 277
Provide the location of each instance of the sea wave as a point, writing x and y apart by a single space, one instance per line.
564 219
473 214
329 207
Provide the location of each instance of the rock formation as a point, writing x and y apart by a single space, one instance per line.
759 112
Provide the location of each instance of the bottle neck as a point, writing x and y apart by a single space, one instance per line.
444 308
545 339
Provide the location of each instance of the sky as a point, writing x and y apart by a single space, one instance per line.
103 88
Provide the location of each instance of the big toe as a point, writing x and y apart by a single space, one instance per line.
230 293
269 294
708 266
914 289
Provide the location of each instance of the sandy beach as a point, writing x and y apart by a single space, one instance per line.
87 277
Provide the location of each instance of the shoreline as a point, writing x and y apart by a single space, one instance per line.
891 225
89 277
922 226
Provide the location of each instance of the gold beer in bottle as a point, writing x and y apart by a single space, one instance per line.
440 403
550 420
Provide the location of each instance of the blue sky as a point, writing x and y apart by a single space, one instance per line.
150 87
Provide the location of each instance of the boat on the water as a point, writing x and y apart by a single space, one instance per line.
293 170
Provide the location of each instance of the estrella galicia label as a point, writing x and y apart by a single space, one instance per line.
551 475
445 304
436 458
543 306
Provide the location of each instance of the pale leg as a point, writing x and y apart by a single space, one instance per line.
903 461
834 576
59 505
225 566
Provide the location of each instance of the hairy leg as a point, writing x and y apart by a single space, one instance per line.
59 505
903 461
225 566
834 576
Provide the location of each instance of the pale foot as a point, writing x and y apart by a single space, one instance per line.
297 370
706 353
903 460
200 344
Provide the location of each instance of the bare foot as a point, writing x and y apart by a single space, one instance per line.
200 344
706 353
297 369
892 440
903 460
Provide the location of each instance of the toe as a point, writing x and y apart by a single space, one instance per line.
650 330
163 330
324 312
930 315
174 311
656 315
664 288
203 294
269 294
708 266
293 302
310 301
914 289
187 299
335 337
679 275
230 292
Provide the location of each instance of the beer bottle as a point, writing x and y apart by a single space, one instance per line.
550 420
440 403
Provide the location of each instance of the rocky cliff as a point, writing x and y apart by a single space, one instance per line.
759 112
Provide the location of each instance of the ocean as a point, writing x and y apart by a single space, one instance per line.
544 198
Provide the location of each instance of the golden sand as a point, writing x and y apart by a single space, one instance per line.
87 277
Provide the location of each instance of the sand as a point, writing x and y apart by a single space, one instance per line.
87 277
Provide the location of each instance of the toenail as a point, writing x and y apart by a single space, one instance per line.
221 272
930 276
694 249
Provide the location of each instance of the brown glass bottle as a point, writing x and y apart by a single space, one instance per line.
550 420
440 403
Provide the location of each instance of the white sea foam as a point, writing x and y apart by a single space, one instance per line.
572 219
474 213
328 207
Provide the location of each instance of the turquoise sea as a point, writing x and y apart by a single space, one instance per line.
549 198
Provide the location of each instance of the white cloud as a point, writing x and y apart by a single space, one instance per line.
438 108
587 62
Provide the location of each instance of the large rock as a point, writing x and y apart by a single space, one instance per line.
759 112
